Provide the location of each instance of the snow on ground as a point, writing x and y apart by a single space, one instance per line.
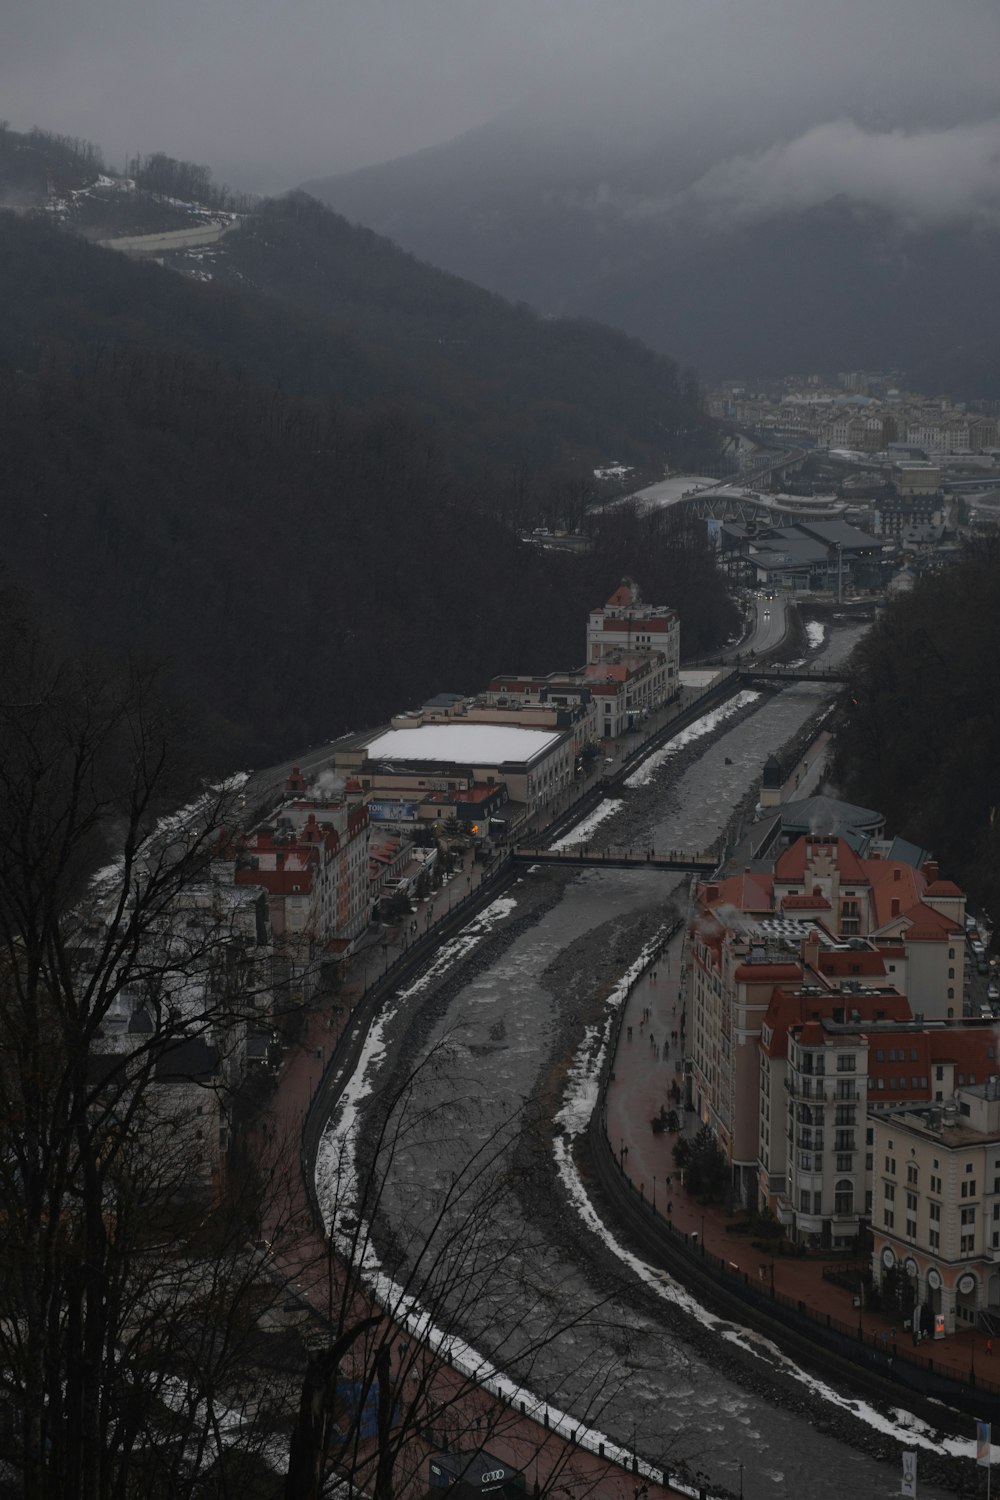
579 1101
670 491
337 1188
699 677
816 633
581 831
705 725
480 744
173 824
335 1175
581 1097
470 936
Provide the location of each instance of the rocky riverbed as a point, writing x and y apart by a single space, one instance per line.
503 1027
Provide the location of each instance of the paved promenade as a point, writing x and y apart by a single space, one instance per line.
648 1075
550 1460
647 1062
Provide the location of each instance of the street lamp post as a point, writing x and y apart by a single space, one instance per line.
741 1481
654 1193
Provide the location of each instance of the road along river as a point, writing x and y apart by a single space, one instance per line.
620 1347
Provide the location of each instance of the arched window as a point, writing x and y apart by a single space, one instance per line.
843 1197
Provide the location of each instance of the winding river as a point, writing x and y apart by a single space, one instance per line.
500 1032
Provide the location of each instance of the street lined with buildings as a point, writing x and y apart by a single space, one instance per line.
510 1005
517 988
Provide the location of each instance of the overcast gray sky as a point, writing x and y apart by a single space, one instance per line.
269 94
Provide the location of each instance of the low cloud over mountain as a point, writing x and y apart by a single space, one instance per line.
927 176
845 241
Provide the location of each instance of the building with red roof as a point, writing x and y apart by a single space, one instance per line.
790 972
839 1060
625 632
312 860
914 916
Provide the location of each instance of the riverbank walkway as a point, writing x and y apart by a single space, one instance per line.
647 1064
553 1460
334 1024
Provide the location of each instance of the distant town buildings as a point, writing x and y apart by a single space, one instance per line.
915 459
867 414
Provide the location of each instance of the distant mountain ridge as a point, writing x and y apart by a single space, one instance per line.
502 384
747 255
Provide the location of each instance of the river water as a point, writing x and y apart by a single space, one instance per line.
500 1035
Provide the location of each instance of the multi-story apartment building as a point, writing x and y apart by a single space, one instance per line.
626 628
824 929
936 1211
831 1061
626 686
339 830
312 860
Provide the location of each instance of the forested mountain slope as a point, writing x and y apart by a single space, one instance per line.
921 740
693 240
278 504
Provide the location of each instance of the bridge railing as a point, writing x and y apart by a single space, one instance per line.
665 858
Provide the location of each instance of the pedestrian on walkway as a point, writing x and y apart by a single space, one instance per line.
630 1033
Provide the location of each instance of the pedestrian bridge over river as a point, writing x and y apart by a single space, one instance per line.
619 859
747 672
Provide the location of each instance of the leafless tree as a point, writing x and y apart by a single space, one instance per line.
127 1285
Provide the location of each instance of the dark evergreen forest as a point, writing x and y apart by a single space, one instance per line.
211 477
921 737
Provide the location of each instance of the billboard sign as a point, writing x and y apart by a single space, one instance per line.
392 811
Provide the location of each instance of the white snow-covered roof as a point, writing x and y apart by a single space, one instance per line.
475 744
